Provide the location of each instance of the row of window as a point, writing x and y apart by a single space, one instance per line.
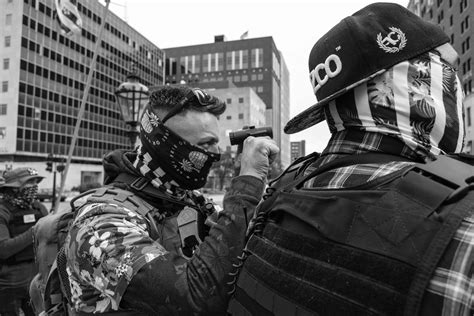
42 136
229 100
462 4
127 58
234 60
66 100
86 12
241 116
65 80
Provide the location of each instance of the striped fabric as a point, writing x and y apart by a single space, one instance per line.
418 101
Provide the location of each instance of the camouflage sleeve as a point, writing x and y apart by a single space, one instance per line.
106 246
170 284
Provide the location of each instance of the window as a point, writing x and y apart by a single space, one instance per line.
468 116
3 109
228 117
241 116
241 100
6 63
8 19
260 89
8 40
228 101
256 58
468 148
5 86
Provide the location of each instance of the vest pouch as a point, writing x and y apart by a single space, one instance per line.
22 220
321 251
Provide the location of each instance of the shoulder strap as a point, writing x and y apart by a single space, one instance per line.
129 200
142 187
434 252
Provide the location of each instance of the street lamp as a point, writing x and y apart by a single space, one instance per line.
131 96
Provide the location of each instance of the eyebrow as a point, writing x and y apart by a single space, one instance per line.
208 140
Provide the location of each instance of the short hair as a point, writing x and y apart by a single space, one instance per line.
168 98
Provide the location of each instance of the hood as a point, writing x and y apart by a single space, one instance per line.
117 162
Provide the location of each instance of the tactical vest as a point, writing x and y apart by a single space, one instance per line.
20 221
369 250
180 232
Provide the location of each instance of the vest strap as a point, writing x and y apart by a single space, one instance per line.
435 250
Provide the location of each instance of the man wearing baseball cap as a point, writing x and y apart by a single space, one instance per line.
19 212
382 221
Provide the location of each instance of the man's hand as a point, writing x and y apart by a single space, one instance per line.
257 155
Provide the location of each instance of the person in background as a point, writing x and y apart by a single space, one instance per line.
149 243
382 221
19 212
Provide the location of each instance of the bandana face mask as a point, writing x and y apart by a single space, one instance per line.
22 198
418 101
168 159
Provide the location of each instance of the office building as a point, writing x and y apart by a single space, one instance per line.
244 108
298 149
456 18
43 77
254 63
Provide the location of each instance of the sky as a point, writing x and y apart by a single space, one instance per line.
295 26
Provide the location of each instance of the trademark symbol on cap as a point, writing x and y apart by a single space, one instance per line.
394 42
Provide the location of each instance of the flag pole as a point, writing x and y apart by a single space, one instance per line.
83 106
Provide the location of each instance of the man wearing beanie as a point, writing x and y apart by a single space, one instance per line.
148 243
381 222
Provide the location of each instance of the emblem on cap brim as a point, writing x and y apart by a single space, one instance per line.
32 172
394 42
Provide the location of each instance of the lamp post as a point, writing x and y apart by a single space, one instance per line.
131 96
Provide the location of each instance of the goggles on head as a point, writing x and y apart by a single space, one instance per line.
203 100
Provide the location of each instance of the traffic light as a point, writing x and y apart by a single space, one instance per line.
49 166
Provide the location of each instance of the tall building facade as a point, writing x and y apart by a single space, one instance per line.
43 77
244 108
456 19
298 149
254 63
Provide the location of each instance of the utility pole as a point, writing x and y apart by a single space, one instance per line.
51 168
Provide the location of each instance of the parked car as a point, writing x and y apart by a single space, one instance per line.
47 195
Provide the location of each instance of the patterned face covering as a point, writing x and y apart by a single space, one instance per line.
22 198
418 101
169 160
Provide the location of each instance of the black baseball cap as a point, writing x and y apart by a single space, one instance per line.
360 47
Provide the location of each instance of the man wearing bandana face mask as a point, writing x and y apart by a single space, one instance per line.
147 251
19 212
381 222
